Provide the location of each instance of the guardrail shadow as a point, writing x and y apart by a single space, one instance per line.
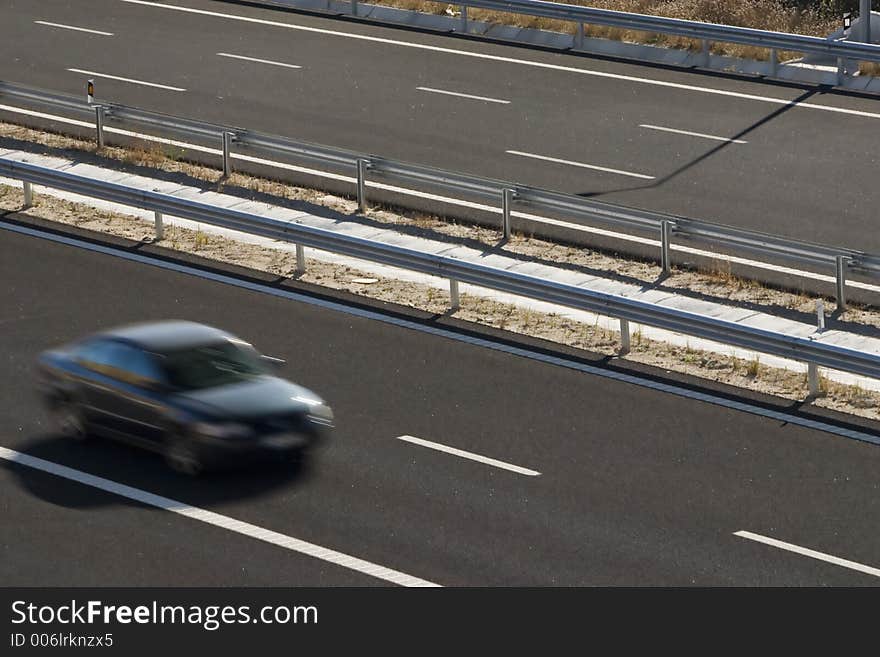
648 374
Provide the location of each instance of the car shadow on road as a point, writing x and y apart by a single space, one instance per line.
148 472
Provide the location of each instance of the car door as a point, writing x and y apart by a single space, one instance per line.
124 391
97 389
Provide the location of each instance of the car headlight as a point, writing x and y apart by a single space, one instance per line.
223 429
321 414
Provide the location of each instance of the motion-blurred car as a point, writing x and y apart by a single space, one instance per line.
202 397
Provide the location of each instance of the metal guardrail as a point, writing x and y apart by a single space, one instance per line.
705 32
679 27
811 351
507 195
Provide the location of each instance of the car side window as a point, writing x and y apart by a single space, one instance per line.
149 369
138 367
97 355
122 362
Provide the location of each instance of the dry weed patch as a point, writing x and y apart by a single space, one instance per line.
775 15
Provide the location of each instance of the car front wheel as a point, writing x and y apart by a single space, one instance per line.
183 458
69 421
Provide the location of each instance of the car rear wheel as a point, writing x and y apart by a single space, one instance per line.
182 458
69 421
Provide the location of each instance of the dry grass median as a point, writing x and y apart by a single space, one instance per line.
818 18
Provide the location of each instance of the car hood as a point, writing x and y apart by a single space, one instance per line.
259 397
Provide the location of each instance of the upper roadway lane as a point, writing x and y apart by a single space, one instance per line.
805 171
637 487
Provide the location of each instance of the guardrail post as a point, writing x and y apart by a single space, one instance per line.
665 233
507 196
813 379
841 70
820 315
841 264
99 124
454 299
300 259
354 8
362 166
28 195
625 343
228 138
464 19
160 225
579 37
705 50
774 63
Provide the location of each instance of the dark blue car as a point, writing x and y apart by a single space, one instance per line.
199 395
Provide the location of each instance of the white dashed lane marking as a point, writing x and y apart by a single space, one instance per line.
469 455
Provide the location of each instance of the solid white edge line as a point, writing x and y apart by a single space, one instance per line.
215 519
821 556
693 134
469 455
121 79
451 201
460 95
71 27
580 164
336 306
254 59
524 62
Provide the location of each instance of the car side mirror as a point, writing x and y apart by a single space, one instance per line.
274 363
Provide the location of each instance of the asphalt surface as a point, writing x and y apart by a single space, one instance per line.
805 172
637 487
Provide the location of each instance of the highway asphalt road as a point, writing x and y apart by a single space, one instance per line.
636 486
805 171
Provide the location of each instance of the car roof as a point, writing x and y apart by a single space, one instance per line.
167 335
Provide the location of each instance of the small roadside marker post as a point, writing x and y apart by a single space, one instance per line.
160 226
625 341
454 297
99 124
812 369
90 91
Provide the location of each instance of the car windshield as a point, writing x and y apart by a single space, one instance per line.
212 365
